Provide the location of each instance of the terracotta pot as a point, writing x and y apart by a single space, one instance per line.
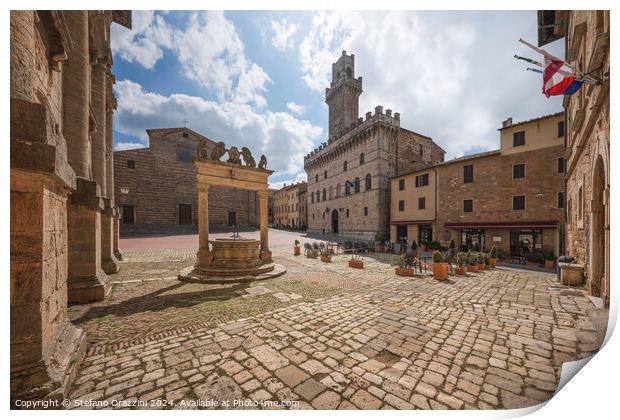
461 271
296 250
405 272
472 268
326 259
356 264
493 262
440 271
549 264
480 266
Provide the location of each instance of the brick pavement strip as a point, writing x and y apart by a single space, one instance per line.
362 339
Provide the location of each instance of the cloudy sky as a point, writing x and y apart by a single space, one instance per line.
258 79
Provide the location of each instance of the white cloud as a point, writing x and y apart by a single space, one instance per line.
282 34
207 47
296 108
283 138
128 146
451 75
143 43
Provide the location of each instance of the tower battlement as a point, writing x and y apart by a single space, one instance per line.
342 97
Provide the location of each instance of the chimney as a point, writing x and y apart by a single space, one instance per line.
507 122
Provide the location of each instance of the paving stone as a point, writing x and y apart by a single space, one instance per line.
328 400
269 357
309 389
363 400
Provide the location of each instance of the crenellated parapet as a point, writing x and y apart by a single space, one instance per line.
363 128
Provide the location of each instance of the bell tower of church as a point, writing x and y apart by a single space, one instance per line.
342 97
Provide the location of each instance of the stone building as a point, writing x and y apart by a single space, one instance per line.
349 175
64 221
156 188
289 209
586 34
512 197
303 208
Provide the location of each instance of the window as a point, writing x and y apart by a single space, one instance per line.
185 135
561 129
401 205
560 200
421 203
312 197
361 159
325 174
344 166
468 174
185 214
580 204
324 194
468 206
518 171
128 215
318 196
368 182
357 185
518 139
421 150
365 211
518 202
561 165
421 180
347 212
184 155
401 185
525 241
347 188
131 164
316 178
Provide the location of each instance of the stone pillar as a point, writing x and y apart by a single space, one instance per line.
87 282
109 262
203 257
98 105
46 349
265 253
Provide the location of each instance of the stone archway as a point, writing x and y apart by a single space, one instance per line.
335 221
598 238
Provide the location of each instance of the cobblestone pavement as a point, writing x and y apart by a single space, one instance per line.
329 336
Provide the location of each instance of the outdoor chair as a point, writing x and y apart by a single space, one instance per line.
307 247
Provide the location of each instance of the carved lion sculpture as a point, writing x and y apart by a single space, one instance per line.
247 157
202 150
218 151
234 156
263 162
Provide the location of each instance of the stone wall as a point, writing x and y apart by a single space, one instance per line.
588 151
161 180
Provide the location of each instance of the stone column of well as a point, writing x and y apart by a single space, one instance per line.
86 282
45 348
265 253
109 263
203 257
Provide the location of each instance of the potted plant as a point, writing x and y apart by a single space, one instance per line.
356 261
312 253
414 249
296 248
472 262
550 260
381 239
326 256
461 263
404 266
493 256
440 268
479 261
487 260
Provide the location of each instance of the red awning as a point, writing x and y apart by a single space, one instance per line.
411 222
482 225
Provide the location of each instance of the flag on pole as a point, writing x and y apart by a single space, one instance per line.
558 79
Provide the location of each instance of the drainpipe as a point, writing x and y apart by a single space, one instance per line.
565 210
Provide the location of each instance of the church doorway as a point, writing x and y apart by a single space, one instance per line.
334 221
